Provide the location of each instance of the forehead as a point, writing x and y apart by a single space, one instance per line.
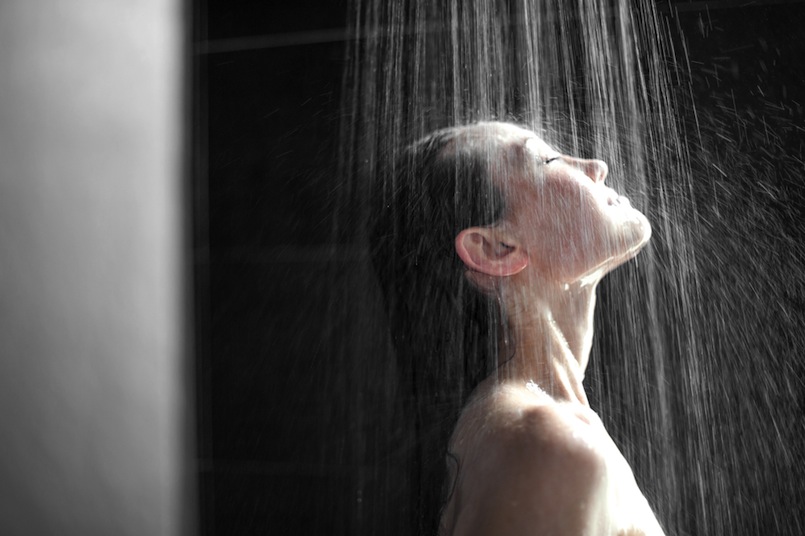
514 153
530 150
520 145
536 146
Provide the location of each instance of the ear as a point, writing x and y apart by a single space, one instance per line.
489 252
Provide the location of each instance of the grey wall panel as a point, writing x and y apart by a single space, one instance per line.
91 349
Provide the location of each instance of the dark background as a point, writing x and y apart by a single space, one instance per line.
276 451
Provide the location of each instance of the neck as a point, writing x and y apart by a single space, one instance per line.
549 338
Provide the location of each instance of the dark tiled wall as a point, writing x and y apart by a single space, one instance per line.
273 452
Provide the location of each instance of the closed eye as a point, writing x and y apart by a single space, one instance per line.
549 160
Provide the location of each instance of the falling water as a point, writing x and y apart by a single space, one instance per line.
693 369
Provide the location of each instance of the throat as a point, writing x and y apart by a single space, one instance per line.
548 344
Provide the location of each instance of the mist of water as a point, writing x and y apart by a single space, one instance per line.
693 367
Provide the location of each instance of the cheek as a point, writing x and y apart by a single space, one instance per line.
576 232
573 216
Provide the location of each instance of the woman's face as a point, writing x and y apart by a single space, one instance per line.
571 224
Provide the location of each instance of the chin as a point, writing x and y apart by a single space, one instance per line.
633 237
641 232
624 240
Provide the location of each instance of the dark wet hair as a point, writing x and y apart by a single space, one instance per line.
445 331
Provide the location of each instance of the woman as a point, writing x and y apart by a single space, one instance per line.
489 245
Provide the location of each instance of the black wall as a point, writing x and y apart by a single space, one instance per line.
266 129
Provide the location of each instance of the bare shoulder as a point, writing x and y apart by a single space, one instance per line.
530 465
517 425
526 464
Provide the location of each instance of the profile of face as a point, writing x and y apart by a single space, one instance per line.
562 224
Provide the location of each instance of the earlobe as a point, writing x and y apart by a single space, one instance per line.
483 250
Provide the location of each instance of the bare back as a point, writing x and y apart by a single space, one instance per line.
530 465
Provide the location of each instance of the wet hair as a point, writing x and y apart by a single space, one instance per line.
444 330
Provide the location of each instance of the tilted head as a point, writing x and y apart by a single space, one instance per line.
561 225
497 204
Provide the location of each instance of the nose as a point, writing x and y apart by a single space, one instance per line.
597 170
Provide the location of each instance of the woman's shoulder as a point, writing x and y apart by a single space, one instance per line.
521 454
525 412
525 429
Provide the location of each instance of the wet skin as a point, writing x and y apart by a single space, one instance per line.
533 457
532 465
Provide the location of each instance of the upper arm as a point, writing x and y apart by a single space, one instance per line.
537 473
